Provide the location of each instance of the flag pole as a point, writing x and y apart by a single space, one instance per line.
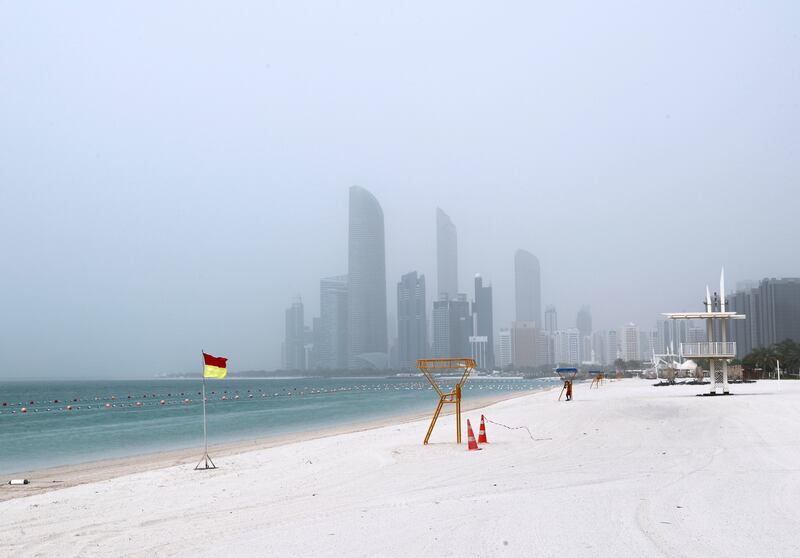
205 460
205 428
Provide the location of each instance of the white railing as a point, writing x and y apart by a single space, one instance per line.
709 350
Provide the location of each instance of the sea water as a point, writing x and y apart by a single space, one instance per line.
111 419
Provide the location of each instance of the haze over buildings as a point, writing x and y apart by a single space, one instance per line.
170 185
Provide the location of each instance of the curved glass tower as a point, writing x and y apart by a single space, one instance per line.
527 288
366 300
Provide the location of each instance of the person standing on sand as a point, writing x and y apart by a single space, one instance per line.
568 387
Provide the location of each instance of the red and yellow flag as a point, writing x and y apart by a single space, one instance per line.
215 367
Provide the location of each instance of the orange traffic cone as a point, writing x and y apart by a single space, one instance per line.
471 443
482 433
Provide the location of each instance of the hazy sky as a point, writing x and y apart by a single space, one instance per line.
173 173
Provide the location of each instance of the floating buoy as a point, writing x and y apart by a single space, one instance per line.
69 407
108 405
185 401
162 402
138 403
23 410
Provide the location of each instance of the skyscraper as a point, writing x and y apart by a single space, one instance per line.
523 344
551 320
295 340
600 347
612 348
527 288
629 342
778 310
452 327
332 353
446 255
412 321
460 327
584 321
648 341
505 355
441 327
484 325
567 346
584 324
366 300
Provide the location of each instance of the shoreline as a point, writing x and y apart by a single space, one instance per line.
64 476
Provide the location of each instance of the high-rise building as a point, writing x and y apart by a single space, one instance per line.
484 325
460 327
523 344
746 332
332 353
773 313
567 345
662 342
441 327
544 348
778 310
587 350
314 344
696 334
527 288
612 347
452 327
505 355
366 300
629 342
412 320
446 255
551 320
584 324
648 340
600 347
295 340
584 321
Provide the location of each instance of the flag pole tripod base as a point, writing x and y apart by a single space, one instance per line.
205 463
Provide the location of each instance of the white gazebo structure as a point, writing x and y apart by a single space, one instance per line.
716 349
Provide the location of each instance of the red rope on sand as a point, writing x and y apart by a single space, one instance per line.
518 428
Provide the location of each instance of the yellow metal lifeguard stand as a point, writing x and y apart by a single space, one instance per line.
428 366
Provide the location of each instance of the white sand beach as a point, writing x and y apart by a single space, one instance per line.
624 470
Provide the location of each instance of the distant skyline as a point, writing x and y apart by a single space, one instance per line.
172 176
